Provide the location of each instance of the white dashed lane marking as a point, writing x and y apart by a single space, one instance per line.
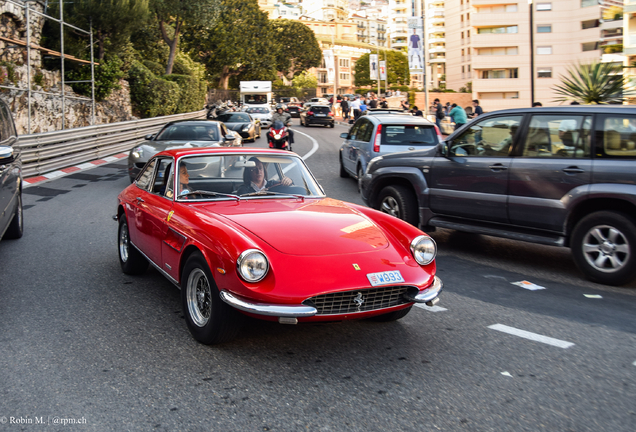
531 336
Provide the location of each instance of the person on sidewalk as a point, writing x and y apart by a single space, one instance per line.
458 115
355 106
439 114
477 110
344 106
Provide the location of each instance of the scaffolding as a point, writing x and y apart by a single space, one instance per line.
29 46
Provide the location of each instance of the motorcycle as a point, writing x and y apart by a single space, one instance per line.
278 136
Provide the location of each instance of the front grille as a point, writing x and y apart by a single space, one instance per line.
349 301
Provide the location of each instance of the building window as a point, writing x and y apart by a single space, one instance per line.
544 50
344 76
498 30
545 28
589 46
498 51
500 73
344 62
586 3
544 72
497 8
544 6
589 24
499 95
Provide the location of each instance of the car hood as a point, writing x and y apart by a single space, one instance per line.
158 146
310 228
236 126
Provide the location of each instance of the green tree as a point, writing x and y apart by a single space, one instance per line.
594 83
238 44
397 68
173 15
305 80
113 21
297 48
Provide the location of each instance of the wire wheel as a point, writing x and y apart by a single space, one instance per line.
199 298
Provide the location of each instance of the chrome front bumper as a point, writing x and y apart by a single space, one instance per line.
428 296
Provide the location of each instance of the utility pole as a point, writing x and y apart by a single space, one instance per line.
531 53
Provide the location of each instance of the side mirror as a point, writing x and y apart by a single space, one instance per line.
6 154
443 148
229 137
149 137
344 135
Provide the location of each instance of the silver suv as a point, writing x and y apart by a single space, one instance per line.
11 222
563 176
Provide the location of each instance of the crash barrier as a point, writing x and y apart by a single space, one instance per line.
50 151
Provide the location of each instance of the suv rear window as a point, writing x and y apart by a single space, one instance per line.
319 109
407 134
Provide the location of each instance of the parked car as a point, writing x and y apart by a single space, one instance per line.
11 220
181 133
317 114
289 100
263 115
320 100
286 253
377 135
562 176
244 124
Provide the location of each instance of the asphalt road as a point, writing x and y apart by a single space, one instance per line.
84 347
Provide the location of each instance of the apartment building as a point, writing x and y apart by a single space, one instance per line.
326 9
488 47
291 9
399 11
370 30
435 30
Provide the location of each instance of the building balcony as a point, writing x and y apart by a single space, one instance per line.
437 60
437 49
435 20
498 19
499 61
496 85
436 40
438 29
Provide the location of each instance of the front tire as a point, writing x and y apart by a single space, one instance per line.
604 247
131 260
209 319
400 202
16 227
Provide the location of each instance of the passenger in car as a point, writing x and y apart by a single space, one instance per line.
255 179
503 147
184 179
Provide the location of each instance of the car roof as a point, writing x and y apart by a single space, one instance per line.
582 109
392 119
203 151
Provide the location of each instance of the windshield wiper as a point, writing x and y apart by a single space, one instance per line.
262 193
209 193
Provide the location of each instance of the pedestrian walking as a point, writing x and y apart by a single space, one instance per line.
439 114
384 103
373 103
405 105
355 106
344 106
477 111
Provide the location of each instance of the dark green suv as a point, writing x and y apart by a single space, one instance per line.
562 176
11 223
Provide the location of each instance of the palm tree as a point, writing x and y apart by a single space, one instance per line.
594 83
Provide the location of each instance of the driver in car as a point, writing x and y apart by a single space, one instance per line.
255 180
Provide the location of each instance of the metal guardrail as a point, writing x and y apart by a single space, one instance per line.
50 151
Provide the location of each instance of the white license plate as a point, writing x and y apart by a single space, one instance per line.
385 278
320 115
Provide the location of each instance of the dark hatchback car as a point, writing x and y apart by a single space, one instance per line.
293 110
11 221
316 114
562 176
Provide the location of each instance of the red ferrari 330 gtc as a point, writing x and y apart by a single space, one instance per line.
244 231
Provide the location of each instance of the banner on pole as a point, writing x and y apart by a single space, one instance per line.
373 66
383 70
329 64
416 45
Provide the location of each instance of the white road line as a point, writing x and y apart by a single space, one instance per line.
430 308
313 150
531 336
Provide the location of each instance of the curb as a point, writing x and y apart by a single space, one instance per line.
30 181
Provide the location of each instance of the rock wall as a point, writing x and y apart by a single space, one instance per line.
47 111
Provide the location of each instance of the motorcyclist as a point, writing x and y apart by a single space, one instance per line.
285 118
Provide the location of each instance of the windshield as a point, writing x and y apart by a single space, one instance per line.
255 99
249 176
191 132
234 118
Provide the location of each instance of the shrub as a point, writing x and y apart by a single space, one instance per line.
151 96
191 92
107 76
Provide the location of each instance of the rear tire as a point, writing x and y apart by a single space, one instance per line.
16 227
131 260
392 316
400 202
604 247
209 319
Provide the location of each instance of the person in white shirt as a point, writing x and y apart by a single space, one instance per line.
355 106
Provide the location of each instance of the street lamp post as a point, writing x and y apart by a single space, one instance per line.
531 52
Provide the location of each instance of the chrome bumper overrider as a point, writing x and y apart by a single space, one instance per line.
428 296
293 311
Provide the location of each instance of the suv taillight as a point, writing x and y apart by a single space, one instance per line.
376 141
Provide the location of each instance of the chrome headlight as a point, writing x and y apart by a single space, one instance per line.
252 265
424 249
246 128
137 152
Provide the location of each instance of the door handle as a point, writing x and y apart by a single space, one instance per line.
498 167
411 148
573 170
140 200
